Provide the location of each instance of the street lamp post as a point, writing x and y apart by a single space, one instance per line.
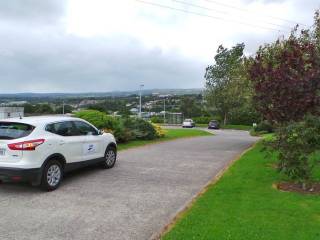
140 105
164 110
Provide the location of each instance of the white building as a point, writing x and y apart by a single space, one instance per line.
11 112
16 103
134 110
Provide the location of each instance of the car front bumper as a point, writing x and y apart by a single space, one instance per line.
20 175
213 127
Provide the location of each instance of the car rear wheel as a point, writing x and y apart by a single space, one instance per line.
52 175
110 157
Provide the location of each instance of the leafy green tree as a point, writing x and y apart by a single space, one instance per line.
29 108
100 119
67 109
43 109
97 107
190 107
227 86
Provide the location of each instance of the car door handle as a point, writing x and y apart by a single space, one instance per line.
62 142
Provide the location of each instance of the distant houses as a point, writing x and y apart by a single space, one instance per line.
134 110
87 102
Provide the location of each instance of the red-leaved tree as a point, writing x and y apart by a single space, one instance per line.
286 78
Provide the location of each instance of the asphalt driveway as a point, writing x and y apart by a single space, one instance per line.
134 200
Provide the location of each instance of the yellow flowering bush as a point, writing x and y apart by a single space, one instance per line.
160 132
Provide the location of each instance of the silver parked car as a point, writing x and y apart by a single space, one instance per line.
188 123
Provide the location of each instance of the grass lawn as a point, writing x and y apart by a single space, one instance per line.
171 134
236 127
205 125
244 205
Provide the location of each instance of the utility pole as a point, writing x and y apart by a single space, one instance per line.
140 105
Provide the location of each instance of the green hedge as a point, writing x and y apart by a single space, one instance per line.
157 119
140 129
98 119
124 129
204 120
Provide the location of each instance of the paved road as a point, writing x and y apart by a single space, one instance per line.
131 201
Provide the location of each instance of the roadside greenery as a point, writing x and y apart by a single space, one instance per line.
98 119
125 129
286 81
243 205
228 89
237 127
298 145
157 119
189 106
204 119
44 108
134 132
285 75
169 134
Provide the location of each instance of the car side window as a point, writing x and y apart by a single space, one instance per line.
85 129
65 129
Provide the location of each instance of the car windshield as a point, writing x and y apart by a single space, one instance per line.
213 121
11 130
188 120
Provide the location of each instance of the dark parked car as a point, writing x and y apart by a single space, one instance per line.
213 124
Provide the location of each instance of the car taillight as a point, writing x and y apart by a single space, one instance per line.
27 145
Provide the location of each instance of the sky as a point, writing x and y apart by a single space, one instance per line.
105 45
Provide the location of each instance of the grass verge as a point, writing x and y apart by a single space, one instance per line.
235 127
171 134
243 205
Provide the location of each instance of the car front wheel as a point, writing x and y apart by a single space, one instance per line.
110 158
52 175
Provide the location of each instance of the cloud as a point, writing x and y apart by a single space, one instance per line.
95 45
40 12
73 64
264 1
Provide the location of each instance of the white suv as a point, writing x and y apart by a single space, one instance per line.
40 149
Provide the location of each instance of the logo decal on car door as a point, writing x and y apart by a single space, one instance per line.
89 148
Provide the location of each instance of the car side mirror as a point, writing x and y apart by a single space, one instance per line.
101 132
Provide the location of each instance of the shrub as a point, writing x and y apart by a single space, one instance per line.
124 129
297 145
99 119
121 134
203 120
108 123
244 116
156 119
140 129
264 126
159 130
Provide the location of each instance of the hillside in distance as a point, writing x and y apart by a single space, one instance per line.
26 96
